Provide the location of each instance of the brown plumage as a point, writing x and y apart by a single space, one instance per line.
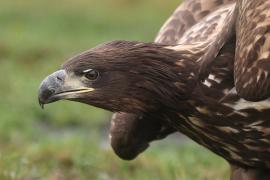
177 29
130 134
252 50
186 85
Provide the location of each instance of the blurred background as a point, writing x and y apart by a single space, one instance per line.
69 140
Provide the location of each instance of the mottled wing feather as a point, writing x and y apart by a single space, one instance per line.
210 35
220 72
252 60
203 41
185 16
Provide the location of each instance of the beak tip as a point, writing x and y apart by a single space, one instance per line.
41 104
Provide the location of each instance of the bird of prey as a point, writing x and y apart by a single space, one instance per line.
206 75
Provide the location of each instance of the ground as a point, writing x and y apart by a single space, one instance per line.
69 140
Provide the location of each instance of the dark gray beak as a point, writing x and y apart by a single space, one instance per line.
61 85
51 86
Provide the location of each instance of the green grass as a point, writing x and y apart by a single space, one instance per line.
64 140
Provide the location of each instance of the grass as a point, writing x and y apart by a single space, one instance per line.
66 140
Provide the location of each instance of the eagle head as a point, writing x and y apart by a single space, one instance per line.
122 76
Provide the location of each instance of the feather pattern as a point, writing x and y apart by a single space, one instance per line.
190 12
205 39
252 63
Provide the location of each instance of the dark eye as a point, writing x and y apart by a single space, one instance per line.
91 74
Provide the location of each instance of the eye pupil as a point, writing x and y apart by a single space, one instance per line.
92 75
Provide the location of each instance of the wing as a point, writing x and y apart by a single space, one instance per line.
190 12
252 60
204 41
220 74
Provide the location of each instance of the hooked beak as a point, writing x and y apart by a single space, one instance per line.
59 85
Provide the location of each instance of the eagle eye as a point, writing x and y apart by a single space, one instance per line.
91 74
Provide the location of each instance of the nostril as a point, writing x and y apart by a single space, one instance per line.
59 78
